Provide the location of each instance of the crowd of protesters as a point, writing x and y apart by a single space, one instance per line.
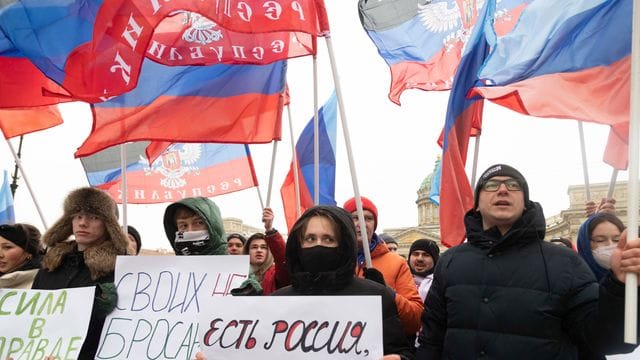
504 293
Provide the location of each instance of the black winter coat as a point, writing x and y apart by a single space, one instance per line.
73 273
518 297
395 342
343 281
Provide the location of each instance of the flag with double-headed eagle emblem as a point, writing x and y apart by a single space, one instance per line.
182 170
422 40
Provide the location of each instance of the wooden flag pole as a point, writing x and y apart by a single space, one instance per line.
631 279
26 181
352 165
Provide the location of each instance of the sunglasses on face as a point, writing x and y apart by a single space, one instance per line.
494 185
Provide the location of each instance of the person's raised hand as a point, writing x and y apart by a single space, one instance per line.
267 218
607 205
590 207
626 257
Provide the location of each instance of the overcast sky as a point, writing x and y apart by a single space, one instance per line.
394 146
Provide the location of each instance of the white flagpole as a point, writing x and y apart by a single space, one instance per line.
26 181
294 162
123 169
260 197
352 165
273 165
612 183
631 279
476 151
316 141
585 169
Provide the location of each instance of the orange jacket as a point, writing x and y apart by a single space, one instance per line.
397 276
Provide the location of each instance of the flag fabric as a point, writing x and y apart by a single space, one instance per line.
16 122
434 189
567 59
7 216
616 152
182 170
95 49
21 82
456 195
422 41
327 128
218 103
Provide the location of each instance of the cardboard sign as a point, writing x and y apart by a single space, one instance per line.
35 323
292 327
160 300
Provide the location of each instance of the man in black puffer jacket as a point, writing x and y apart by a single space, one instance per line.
507 294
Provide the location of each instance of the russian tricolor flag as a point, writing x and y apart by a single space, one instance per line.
327 128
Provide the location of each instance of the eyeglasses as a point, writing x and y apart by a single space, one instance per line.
494 185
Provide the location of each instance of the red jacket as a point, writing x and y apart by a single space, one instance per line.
397 276
277 275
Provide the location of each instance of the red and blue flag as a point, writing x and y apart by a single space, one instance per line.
463 114
95 49
182 170
327 128
216 103
567 59
422 41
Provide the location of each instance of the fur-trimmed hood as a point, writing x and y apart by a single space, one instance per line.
100 259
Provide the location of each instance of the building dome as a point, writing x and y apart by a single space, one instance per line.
425 186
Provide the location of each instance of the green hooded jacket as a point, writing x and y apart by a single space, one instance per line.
209 212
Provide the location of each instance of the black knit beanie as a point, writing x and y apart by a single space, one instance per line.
501 170
427 245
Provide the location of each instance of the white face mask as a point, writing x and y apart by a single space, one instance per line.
191 242
602 255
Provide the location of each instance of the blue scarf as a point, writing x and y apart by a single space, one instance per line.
584 249
375 240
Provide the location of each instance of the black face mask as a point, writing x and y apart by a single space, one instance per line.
319 259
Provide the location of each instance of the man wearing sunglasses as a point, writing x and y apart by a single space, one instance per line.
507 294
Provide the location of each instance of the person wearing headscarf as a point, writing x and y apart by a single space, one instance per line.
321 255
20 255
598 236
87 260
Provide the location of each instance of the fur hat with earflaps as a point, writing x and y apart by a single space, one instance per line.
100 259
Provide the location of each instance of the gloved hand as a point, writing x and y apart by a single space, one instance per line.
249 287
374 275
106 298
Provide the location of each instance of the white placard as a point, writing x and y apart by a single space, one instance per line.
35 323
292 327
160 299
